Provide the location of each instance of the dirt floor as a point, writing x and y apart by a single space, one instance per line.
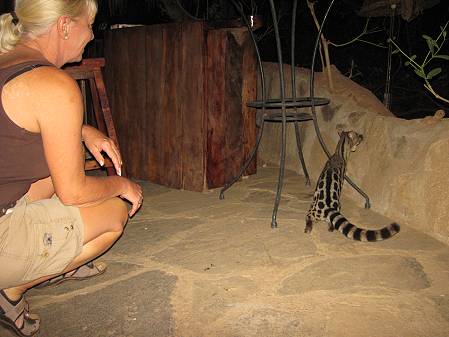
190 264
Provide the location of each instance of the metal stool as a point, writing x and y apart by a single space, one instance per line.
293 104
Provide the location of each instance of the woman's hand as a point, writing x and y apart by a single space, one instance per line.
134 195
96 142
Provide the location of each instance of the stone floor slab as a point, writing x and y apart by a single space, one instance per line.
138 306
347 274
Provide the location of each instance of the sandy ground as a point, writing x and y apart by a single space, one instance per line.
190 264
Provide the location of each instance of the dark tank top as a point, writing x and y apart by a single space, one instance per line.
22 159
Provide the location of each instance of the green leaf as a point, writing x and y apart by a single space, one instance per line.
433 73
410 60
443 57
420 73
395 51
431 44
427 37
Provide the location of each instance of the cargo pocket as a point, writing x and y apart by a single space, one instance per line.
55 245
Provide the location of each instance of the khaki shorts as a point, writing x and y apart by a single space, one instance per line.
38 239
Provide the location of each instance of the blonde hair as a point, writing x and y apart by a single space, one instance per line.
37 16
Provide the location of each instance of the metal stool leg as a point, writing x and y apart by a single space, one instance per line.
277 200
293 81
358 189
284 118
312 90
300 154
227 185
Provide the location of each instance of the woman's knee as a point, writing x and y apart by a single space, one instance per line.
120 215
110 216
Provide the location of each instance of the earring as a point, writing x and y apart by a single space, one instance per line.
66 32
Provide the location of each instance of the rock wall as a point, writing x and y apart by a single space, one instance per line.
402 164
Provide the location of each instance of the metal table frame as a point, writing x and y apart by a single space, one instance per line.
292 103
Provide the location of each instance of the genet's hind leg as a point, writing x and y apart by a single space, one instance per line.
309 224
330 226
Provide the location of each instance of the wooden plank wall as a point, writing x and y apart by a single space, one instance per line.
155 83
193 98
178 93
249 93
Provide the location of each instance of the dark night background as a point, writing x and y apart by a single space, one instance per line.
366 63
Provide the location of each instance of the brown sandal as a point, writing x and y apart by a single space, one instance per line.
84 272
10 313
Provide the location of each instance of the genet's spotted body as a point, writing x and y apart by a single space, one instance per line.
326 199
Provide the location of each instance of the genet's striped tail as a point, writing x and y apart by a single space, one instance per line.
340 223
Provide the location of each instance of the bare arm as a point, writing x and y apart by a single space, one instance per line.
97 142
58 107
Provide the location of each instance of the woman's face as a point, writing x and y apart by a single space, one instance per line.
79 34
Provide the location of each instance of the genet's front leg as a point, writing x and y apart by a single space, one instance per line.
309 224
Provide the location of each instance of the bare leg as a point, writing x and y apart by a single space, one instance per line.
90 251
103 225
41 189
